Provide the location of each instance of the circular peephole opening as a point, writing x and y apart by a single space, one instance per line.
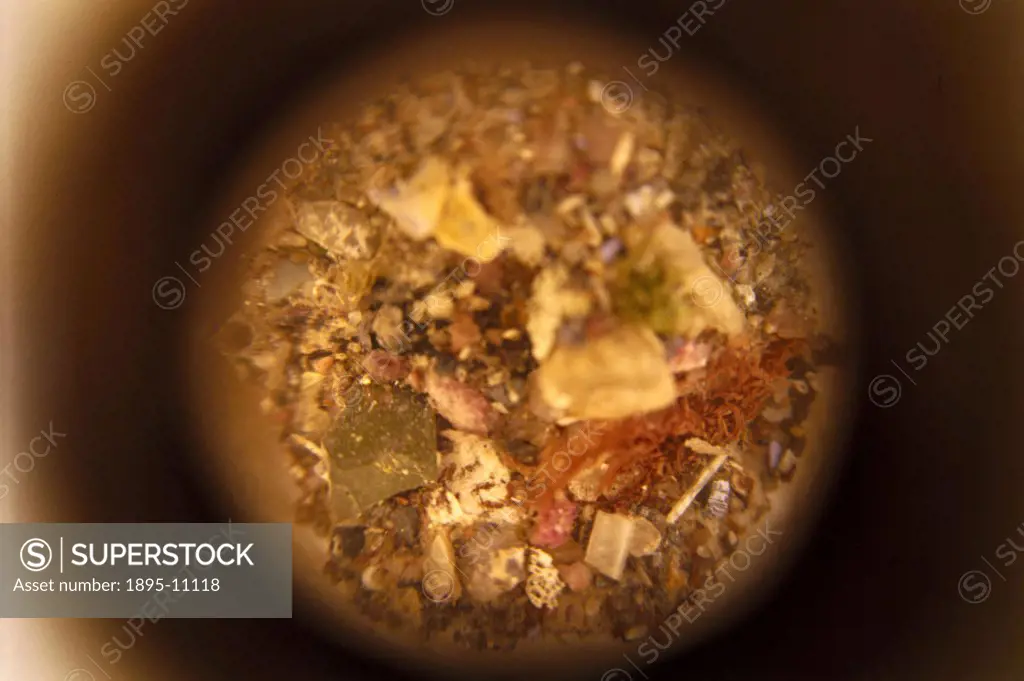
543 358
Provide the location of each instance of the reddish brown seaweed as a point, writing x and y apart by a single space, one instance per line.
737 384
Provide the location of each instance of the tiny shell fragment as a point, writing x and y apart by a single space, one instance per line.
479 479
577 576
527 244
704 447
683 503
718 499
383 366
543 583
777 413
443 508
464 332
387 325
586 485
774 454
495 572
646 538
640 202
552 301
688 355
786 322
461 404
622 154
373 579
440 580
787 464
288 277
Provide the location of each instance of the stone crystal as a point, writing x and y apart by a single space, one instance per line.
463 405
609 543
383 443
646 538
465 227
416 205
342 230
616 375
439 202
440 580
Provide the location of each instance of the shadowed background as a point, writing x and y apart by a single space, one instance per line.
106 201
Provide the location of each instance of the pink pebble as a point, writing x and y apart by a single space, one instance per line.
577 576
464 406
554 525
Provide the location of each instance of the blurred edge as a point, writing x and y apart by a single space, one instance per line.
971 106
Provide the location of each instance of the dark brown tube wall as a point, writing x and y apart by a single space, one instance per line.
908 574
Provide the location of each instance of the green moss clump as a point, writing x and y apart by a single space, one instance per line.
645 293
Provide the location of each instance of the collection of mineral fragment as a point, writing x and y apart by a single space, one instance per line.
510 338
